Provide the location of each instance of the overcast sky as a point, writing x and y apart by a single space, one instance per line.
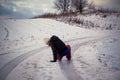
21 8
29 8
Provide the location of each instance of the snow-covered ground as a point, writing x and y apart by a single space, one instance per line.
24 56
102 21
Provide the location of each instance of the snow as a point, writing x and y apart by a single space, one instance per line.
24 56
102 21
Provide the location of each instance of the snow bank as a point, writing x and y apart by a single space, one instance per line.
102 21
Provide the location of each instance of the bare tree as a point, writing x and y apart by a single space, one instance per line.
79 5
62 5
91 5
65 6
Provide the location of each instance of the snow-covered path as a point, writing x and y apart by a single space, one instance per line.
67 67
6 69
24 56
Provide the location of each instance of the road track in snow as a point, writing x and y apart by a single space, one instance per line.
7 68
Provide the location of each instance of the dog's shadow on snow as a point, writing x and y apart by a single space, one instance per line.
69 71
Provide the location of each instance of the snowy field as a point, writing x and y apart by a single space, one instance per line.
24 56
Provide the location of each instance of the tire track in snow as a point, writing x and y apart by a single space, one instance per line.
7 34
5 70
13 63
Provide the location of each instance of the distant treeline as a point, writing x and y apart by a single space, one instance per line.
74 7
